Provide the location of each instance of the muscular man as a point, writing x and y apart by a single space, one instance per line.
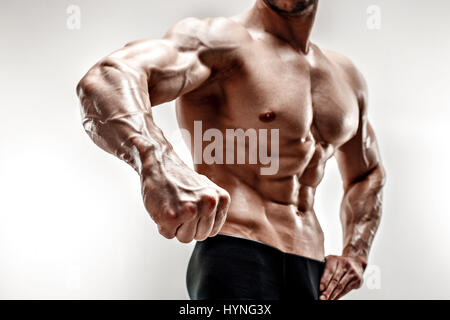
257 235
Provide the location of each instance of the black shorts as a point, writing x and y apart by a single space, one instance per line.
228 267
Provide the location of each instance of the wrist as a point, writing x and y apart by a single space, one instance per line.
358 254
144 154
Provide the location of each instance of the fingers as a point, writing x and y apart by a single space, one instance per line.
207 210
204 227
341 275
167 223
186 232
328 273
166 232
221 213
334 282
341 287
352 280
195 219
170 223
214 217
350 284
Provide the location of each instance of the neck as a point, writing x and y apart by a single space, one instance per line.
294 28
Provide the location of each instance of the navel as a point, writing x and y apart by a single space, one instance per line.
268 116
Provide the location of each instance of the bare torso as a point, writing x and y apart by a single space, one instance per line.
256 74
267 84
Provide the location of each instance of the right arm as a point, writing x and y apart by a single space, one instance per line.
116 98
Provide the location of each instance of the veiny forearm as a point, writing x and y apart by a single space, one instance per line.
116 114
361 214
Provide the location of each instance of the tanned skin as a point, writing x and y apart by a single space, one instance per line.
254 70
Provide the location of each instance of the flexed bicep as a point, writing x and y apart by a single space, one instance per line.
118 92
172 65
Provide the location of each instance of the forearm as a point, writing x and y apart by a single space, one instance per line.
116 114
361 211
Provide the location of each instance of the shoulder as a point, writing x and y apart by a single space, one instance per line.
354 77
212 33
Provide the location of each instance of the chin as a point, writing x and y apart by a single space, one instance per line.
294 7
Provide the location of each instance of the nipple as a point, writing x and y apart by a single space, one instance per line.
267 116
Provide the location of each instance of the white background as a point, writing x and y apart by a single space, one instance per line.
72 223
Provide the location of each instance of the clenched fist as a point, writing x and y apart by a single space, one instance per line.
185 204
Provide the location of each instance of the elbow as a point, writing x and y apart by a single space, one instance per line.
81 88
90 92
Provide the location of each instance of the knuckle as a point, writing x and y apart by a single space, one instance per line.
334 281
209 201
189 210
168 214
224 201
224 196
162 213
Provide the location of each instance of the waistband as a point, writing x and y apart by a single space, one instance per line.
240 241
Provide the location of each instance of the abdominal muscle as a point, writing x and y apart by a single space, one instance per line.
267 210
